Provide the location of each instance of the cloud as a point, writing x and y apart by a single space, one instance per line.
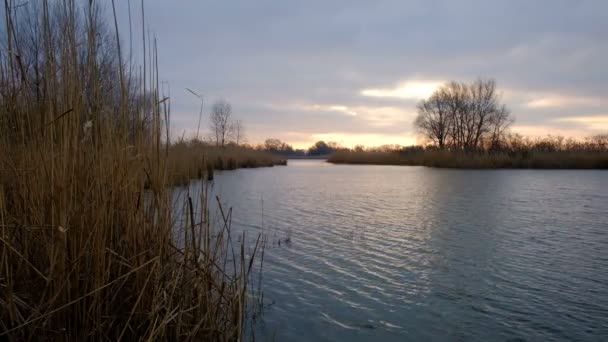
332 108
557 101
596 122
374 116
409 90
545 130
359 67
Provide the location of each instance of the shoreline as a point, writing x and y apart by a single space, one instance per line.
560 160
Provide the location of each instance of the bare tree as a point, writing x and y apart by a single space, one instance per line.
433 120
500 123
220 121
457 97
238 132
490 118
464 116
273 144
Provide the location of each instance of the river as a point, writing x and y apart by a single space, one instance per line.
395 253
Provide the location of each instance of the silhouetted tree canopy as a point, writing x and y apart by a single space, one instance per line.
464 116
279 147
321 148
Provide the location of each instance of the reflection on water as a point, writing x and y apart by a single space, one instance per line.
387 253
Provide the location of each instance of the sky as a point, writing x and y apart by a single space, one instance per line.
353 71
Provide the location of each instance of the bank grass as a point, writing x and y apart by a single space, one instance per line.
478 159
91 246
196 159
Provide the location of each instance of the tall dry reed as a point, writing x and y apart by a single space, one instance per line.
88 237
477 159
198 159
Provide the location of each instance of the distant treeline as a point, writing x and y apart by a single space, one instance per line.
278 147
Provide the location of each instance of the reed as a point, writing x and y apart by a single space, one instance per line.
478 159
190 159
91 247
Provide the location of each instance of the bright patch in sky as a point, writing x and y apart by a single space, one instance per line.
537 131
597 123
409 90
342 109
333 108
563 101
367 139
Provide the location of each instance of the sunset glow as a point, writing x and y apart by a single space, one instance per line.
409 90
363 82
598 123
557 101
367 139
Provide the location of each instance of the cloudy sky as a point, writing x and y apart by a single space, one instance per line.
352 71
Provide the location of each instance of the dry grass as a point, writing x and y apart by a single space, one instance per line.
450 159
195 159
88 236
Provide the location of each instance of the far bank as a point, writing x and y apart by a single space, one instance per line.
477 160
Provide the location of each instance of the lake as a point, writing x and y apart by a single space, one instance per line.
394 253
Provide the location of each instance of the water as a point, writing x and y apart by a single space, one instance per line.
385 253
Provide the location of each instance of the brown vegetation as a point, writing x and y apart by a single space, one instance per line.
467 127
88 235
515 152
197 159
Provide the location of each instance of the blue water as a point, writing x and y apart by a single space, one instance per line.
388 253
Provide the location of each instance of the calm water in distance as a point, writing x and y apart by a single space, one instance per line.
390 253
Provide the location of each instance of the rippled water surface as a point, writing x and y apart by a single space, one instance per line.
384 253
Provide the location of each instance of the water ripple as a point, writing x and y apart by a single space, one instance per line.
399 253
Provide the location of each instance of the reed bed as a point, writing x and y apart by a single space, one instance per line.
197 159
478 159
90 248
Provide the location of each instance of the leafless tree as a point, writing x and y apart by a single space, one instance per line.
237 131
464 116
273 144
433 120
500 123
220 122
